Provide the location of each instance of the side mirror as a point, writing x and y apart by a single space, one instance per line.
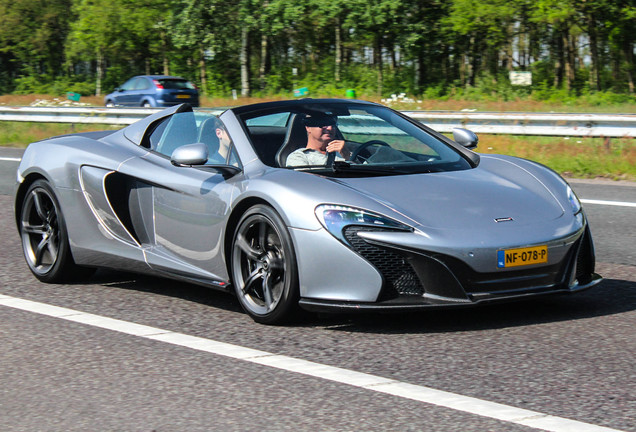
190 154
465 137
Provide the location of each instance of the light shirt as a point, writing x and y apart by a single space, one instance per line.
307 156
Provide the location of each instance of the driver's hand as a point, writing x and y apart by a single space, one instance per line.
338 146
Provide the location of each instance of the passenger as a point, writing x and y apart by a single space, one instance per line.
321 140
221 156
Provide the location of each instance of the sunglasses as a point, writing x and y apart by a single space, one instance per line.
319 122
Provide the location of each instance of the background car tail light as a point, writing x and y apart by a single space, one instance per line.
157 84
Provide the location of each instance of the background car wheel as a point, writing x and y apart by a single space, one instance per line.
44 237
146 104
110 104
264 267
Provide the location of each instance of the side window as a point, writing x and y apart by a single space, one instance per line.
221 150
153 139
128 85
141 84
233 159
185 128
177 130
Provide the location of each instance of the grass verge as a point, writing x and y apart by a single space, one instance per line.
613 159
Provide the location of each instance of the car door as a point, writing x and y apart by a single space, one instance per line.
185 208
125 94
141 89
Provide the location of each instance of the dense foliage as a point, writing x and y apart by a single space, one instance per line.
433 48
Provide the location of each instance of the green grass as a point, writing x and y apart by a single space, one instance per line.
575 157
20 134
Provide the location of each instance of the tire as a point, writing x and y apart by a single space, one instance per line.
110 104
44 237
146 104
264 269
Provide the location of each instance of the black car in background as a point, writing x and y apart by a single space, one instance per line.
154 91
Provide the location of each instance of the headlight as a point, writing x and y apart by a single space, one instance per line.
336 218
574 201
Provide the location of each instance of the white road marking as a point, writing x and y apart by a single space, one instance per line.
609 203
10 159
365 381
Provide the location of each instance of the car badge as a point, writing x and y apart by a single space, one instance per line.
504 219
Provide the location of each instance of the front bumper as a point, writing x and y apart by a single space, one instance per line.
414 279
414 304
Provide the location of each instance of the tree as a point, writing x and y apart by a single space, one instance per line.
484 27
32 36
372 23
97 33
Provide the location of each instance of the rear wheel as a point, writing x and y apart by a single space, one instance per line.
44 236
264 266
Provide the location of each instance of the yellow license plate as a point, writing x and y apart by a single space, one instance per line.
522 256
183 96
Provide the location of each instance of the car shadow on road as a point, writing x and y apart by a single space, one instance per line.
166 287
610 297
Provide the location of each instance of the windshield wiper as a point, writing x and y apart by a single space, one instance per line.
342 166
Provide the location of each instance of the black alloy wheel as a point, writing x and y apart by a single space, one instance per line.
44 236
264 266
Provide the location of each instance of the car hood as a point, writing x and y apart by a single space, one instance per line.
470 199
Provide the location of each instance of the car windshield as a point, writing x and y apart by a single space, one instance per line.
369 140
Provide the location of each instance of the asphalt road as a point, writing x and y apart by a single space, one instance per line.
571 357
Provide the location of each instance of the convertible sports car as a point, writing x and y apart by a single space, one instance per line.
400 217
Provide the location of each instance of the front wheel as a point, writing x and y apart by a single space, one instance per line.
264 269
44 236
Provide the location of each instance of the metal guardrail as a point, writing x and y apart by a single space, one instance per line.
591 125
109 116
549 124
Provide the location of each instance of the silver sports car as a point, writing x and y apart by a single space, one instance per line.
311 204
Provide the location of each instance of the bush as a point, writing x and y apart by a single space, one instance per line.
42 84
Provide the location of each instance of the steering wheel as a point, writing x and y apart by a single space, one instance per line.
364 146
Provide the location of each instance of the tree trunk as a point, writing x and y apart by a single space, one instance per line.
595 76
558 61
628 49
568 57
203 71
262 70
100 72
244 59
472 65
377 60
417 73
164 45
338 35
509 50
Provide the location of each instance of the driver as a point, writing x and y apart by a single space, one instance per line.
321 140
